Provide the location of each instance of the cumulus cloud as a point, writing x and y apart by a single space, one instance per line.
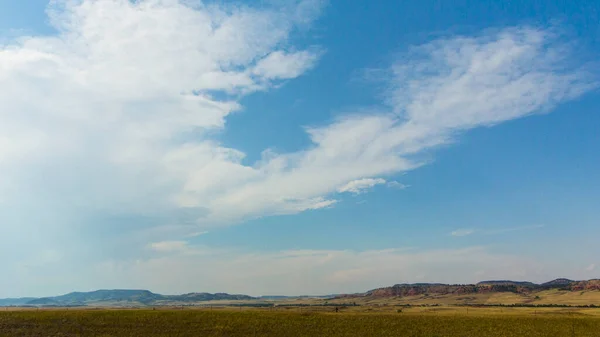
112 117
360 185
113 113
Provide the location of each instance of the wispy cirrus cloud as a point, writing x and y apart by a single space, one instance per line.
397 185
465 232
169 246
196 234
361 185
462 232
511 229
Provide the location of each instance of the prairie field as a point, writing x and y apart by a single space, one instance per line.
430 322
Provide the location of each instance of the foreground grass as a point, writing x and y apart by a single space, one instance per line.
266 323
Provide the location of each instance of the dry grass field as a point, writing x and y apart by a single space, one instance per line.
296 321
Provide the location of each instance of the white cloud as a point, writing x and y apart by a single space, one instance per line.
433 96
480 81
169 246
591 267
195 234
465 232
281 65
462 232
396 184
116 108
511 229
360 185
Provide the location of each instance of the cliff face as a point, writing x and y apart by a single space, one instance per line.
585 285
403 290
412 290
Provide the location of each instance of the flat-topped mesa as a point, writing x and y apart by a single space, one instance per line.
508 282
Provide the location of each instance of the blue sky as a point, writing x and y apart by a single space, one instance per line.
294 147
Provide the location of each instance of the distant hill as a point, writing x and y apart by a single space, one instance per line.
584 285
557 283
199 297
507 282
15 301
274 297
121 297
560 290
419 284
493 286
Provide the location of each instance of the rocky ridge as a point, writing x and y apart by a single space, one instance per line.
404 290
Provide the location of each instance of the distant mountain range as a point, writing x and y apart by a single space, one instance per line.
402 290
120 297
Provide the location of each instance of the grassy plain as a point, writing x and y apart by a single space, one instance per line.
294 321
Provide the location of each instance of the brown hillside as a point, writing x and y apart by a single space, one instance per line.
487 287
585 285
